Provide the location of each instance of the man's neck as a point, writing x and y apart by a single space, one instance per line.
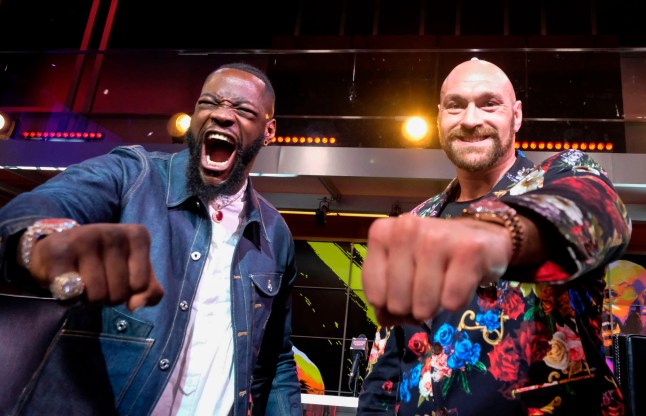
474 185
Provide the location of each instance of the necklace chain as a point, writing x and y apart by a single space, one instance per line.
222 201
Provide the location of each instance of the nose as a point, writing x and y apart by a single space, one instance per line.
471 117
223 115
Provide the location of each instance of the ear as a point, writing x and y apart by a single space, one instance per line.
518 115
270 130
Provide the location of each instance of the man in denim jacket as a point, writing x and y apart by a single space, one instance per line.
178 273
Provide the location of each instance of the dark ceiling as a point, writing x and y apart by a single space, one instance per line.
351 68
146 24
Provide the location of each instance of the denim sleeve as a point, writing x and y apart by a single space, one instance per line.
88 192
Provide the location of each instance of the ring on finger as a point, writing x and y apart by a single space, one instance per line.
67 286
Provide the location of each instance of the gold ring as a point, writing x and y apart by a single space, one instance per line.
67 286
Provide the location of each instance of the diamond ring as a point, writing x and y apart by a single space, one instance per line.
67 286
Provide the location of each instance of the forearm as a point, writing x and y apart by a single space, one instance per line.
573 224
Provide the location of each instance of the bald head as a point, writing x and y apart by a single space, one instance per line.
477 71
478 118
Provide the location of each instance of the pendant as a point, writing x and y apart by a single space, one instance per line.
217 216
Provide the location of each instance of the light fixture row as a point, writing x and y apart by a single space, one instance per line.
414 128
557 146
62 135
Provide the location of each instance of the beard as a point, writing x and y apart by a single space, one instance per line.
237 177
475 160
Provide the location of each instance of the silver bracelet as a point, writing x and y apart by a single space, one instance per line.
38 230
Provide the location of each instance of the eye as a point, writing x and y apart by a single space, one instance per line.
246 112
453 107
204 102
490 104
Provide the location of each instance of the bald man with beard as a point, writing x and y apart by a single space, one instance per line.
489 295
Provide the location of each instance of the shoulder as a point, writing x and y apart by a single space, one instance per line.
139 152
268 211
574 160
136 158
270 218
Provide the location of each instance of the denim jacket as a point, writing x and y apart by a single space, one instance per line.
108 360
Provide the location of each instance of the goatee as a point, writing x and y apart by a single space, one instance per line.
237 177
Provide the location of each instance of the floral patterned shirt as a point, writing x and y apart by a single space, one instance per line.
531 344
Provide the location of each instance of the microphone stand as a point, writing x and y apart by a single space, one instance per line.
355 386
359 349
353 382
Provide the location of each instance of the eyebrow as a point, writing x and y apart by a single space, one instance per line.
480 95
234 100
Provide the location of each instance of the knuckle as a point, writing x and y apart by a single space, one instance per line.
377 230
113 237
138 235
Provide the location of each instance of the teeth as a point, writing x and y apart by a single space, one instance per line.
211 137
217 136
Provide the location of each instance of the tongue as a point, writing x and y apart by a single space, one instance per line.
219 154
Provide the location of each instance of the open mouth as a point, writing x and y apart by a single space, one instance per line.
219 153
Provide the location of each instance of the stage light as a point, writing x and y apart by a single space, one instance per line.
177 126
415 128
302 140
7 125
558 146
62 136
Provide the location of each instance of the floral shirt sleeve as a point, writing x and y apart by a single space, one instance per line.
531 345
572 193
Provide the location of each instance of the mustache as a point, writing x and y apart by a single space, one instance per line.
460 133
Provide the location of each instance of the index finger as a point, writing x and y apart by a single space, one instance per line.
373 274
144 287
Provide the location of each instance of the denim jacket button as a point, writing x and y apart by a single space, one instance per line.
121 325
183 306
164 364
196 255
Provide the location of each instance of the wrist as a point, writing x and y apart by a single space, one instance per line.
497 212
35 232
